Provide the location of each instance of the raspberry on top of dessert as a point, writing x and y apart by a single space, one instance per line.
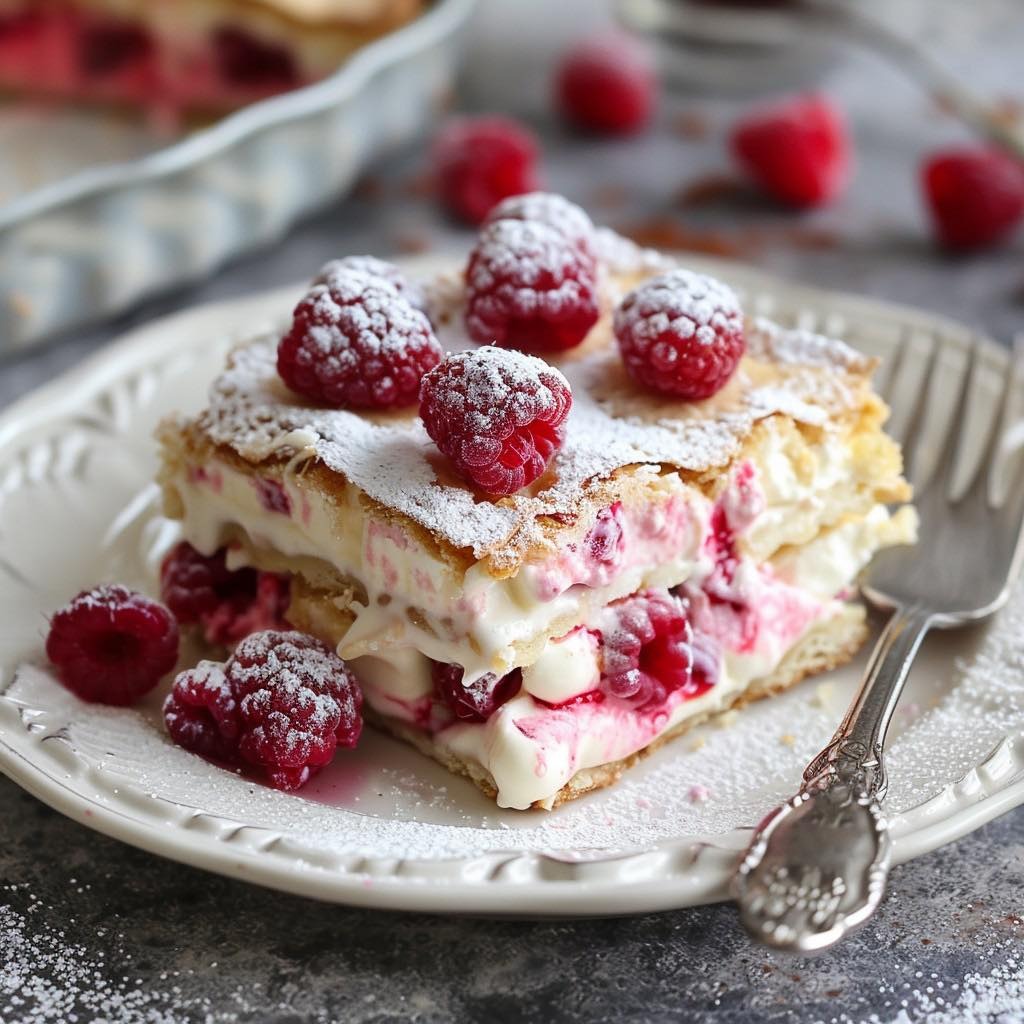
552 564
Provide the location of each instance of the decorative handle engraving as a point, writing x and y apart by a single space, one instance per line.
817 866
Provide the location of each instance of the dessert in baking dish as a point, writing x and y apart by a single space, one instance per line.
183 55
542 564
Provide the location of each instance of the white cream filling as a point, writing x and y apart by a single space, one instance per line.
473 619
532 751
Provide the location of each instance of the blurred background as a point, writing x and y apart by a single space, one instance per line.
672 178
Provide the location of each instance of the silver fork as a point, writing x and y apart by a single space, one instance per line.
817 865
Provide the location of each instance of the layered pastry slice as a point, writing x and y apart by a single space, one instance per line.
183 55
669 560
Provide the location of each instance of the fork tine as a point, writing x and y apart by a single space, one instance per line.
907 393
980 429
1006 468
950 446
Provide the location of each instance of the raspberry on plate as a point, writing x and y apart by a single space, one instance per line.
498 415
529 287
479 161
681 334
355 342
606 85
797 150
201 713
228 604
647 653
975 196
553 210
282 703
111 645
480 699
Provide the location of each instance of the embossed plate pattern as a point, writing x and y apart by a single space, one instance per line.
383 826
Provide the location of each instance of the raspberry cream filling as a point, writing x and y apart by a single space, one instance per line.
531 749
745 613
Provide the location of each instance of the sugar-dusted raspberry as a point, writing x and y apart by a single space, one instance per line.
647 649
356 343
378 269
554 210
478 700
111 645
201 712
606 85
975 196
529 287
297 702
228 604
798 150
478 161
681 334
498 415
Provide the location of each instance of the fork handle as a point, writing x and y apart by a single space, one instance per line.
854 755
817 866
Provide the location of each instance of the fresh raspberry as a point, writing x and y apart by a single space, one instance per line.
228 604
111 645
478 700
201 713
606 85
553 210
976 196
498 415
297 703
529 287
797 150
647 653
355 342
283 703
478 161
378 269
681 334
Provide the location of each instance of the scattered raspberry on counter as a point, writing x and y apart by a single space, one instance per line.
497 414
606 85
797 150
478 161
975 196
111 645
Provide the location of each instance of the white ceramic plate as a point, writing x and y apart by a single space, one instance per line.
384 826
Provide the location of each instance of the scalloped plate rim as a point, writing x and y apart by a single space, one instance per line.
969 803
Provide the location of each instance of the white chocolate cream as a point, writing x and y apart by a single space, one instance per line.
531 749
534 744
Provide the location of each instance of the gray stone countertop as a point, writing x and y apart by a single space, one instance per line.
91 930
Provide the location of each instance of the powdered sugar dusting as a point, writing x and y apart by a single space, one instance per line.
610 426
687 304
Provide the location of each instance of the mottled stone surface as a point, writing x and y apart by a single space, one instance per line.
89 926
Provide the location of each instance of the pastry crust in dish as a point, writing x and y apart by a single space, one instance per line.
184 56
785 476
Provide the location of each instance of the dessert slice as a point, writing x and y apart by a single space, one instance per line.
670 560
183 55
